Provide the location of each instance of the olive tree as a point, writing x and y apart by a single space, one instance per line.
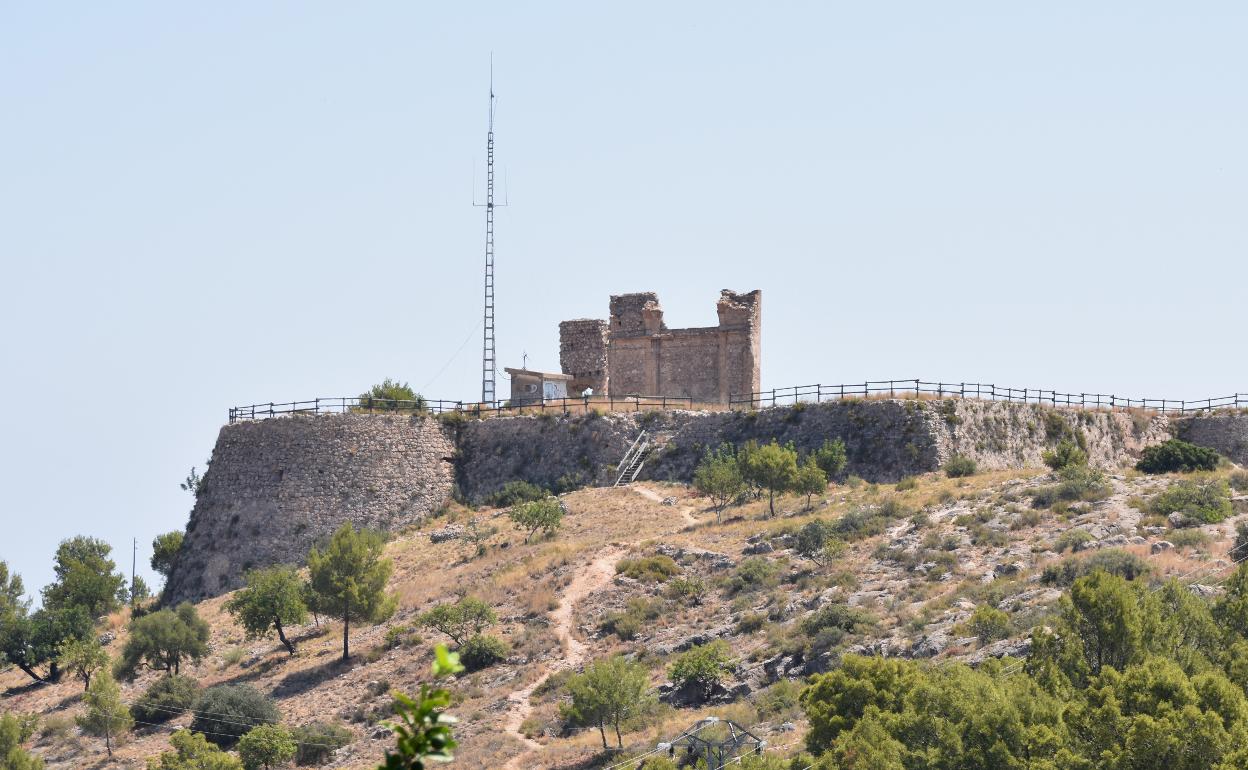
162 640
272 599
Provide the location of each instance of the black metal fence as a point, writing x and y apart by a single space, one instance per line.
917 388
382 406
911 388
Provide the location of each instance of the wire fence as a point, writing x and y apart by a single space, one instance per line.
918 388
473 409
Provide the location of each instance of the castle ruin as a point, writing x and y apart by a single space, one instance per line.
634 353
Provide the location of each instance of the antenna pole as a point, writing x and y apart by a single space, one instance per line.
134 560
487 351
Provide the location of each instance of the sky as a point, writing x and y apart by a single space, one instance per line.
211 204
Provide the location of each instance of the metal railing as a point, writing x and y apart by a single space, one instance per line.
383 406
918 388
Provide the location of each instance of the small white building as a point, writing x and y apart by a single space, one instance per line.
530 387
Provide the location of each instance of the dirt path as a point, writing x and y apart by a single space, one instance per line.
686 513
592 578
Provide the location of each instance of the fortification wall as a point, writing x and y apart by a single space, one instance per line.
1227 432
583 354
276 487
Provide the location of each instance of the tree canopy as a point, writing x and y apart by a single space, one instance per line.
85 577
272 599
350 577
162 640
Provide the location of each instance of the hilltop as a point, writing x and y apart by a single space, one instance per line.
922 555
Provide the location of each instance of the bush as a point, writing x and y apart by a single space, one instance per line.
1189 538
1068 454
907 483
167 697
831 457
1205 500
1072 540
753 574
391 395
1239 481
1115 561
1240 549
685 590
959 466
515 493
827 627
482 651
703 666
627 624
317 742
1175 456
989 624
225 712
1076 483
648 569
266 746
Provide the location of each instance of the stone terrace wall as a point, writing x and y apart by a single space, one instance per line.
275 488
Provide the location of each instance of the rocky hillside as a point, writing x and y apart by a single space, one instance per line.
652 571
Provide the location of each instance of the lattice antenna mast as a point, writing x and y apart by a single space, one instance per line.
488 364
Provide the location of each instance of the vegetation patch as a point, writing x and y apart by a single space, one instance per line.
1176 456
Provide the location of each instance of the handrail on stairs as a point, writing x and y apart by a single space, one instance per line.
630 457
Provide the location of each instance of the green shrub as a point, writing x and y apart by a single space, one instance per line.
318 741
1239 481
1068 454
703 666
753 574
628 624
648 569
482 651
225 712
989 623
1072 539
1175 456
780 701
266 746
1075 483
907 483
1206 500
827 627
166 698
831 457
401 636
391 395
1189 538
751 622
1115 561
959 466
687 590
1240 549
515 493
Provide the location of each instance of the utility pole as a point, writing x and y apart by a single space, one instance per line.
134 560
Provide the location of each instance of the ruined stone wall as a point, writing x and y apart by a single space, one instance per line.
1226 431
708 365
276 487
583 354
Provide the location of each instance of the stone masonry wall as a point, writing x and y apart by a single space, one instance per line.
275 488
644 357
1225 431
583 354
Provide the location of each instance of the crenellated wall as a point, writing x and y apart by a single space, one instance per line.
276 487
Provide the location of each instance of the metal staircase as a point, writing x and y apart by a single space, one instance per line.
634 458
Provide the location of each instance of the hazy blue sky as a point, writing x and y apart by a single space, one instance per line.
218 203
